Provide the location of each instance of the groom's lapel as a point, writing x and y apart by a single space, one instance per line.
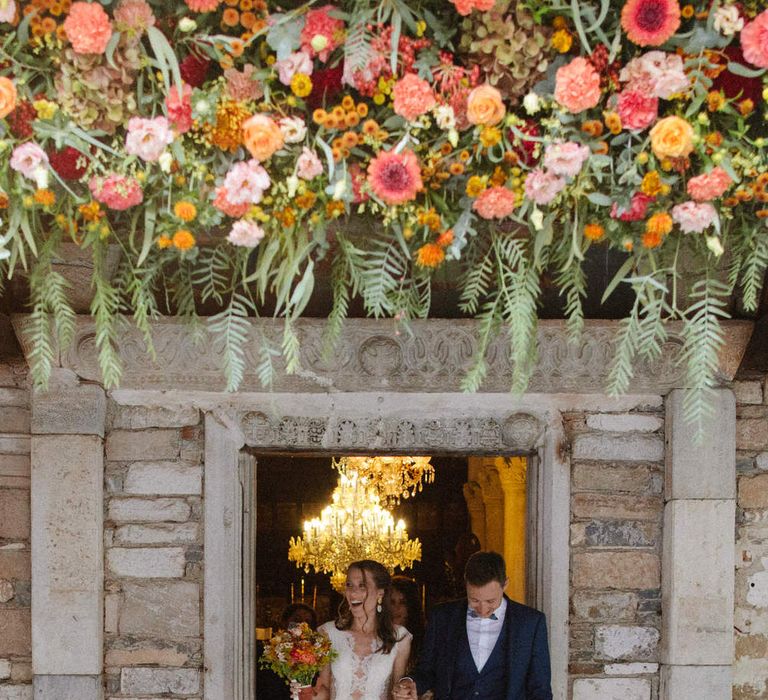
514 631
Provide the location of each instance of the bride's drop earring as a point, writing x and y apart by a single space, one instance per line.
378 605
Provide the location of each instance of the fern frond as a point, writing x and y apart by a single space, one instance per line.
340 289
573 284
233 329
105 309
478 278
489 323
265 369
42 354
753 270
213 273
291 347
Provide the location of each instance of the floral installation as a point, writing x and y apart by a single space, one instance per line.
297 654
233 149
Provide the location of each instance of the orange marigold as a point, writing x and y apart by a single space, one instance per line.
45 197
186 211
660 223
652 239
183 239
594 232
430 255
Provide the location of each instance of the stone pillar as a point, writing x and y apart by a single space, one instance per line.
493 497
698 554
512 474
473 495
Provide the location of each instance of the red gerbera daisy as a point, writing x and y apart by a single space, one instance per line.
395 177
650 22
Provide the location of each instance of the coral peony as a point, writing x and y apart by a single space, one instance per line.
223 204
308 165
179 108
297 62
395 178
542 187
672 137
88 27
202 5
485 106
710 185
116 191
577 85
322 33
147 138
262 136
637 110
247 234
638 206
7 96
495 203
694 217
464 7
650 22
246 183
754 41
413 96
565 159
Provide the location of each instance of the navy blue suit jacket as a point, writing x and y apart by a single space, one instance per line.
528 672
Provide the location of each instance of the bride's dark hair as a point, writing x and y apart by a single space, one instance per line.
385 630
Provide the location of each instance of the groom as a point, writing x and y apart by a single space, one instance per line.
486 647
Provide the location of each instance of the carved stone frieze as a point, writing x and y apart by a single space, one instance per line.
372 356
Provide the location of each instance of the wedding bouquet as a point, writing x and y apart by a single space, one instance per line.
297 654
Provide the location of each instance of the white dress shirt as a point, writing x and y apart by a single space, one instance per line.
483 632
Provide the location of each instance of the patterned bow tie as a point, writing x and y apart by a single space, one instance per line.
471 613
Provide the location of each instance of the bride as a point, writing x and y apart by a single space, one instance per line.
372 650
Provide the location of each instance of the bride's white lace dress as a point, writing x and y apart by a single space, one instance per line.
357 677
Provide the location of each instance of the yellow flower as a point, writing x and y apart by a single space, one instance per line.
475 186
183 239
45 109
672 137
45 197
430 255
652 184
379 98
186 211
91 211
613 122
687 12
659 224
164 242
562 40
301 84
594 232
490 136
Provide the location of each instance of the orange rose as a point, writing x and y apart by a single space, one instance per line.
484 106
7 97
262 136
672 137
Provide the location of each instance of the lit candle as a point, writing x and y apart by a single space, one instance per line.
302 590
314 596
293 594
423 596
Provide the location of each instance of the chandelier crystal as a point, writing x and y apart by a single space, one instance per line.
393 477
353 527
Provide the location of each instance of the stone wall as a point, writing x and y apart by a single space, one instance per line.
154 553
617 503
751 614
15 571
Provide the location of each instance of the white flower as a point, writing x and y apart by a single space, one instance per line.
293 184
453 137
187 24
445 117
532 103
165 160
727 20
340 189
293 128
40 176
537 219
714 244
319 42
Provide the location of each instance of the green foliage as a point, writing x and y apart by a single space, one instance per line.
233 330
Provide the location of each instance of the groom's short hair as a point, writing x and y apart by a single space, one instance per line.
484 567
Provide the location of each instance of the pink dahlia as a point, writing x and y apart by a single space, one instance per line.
247 234
413 96
638 206
179 108
246 182
542 187
202 5
495 203
116 191
88 27
147 138
464 7
322 33
224 204
308 165
637 110
565 159
754 41
577 85
710 185
650 22
694 217
395 178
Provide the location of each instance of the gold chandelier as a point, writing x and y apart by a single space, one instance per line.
353 527
393 477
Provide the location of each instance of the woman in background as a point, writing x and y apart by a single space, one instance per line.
405 604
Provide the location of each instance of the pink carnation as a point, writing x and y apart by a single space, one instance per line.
710 185
180 108
464 7
134 17
694 217
29 159
577 85
88 27
565 159
116 191
246 182
245 86
637 110
297 62
656 73
754 41
223 204
638 206
247 234
542 187
308 165
495 203
413 96
321 33
147 138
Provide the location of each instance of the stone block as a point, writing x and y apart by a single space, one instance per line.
706 470
14 514
5 669
624 423
617 570
6 590
162 533
140 417
15 692
16 625
68 554
750 392
613 447
631 669
14 419
15 465
697 585
54 413
613 507
599 476
67 687
21 672
598 605
611 689
130 651
148 510
168 610
15 564
626 643
751 434
14 397
144 681
761 461
112 603
14 445
143 562
137 445
753 491
163 478
686 682
617 533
